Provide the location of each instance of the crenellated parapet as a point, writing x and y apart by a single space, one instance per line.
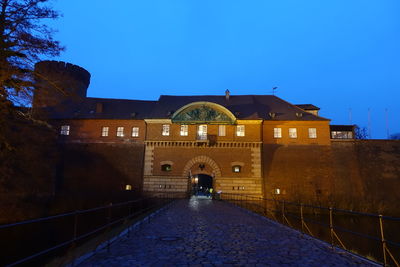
58 82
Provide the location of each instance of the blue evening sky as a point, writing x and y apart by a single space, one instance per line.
340 55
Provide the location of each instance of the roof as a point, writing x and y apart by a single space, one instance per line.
307 106
266 107
110 109
342 127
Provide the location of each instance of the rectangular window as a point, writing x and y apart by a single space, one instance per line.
64 130
277 132
312 132
135 131
222 130
341 135
292 132
277 191
120 131
165 130
184 130
202 132
104 131
240 130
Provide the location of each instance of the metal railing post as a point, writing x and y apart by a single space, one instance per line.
108 224
301 216
265 207
383 240
75 227
331 224
129 217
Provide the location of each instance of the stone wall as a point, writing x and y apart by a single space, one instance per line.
217 161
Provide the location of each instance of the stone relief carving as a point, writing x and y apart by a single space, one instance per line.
202 113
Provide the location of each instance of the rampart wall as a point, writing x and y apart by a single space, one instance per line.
359 175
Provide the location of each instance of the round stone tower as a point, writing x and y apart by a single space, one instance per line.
58 83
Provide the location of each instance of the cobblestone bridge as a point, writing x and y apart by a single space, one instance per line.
202 232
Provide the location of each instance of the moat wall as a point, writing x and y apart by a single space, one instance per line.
362 175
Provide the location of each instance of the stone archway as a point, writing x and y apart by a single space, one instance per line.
210 167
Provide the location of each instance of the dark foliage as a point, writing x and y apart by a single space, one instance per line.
395 136
360 132
23 39
27 146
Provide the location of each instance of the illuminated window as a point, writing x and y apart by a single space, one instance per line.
104 131
236 168
342 134
128 187
240 130
166 167
202 132
292 132
277 191
120 131
64 130
222 130
277 132
135 131
312 132
165 130
184 130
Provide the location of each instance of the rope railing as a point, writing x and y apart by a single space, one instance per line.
111 216
294 215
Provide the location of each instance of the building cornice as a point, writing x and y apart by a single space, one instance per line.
158 121
206 143
249 121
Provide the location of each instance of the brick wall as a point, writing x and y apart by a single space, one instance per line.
359 175
101 168
89 130
322 128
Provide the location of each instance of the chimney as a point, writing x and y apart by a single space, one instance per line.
99 107
227 94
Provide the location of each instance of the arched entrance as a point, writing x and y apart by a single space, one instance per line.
201 184
202 172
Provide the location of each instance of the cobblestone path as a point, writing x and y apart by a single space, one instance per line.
202 232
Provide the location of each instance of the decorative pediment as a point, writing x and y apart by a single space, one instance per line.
203 112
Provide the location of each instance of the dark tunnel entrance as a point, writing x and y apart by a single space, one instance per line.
201 184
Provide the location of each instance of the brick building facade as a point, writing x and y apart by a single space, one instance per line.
183 138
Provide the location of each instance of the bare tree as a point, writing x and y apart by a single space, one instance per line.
23 39
360 132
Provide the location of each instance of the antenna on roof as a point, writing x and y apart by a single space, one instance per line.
369 123
227 94
274 90
350 116
387 122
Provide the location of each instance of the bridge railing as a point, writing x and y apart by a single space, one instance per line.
35 242
373 236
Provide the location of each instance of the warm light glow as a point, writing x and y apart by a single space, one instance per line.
128 187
